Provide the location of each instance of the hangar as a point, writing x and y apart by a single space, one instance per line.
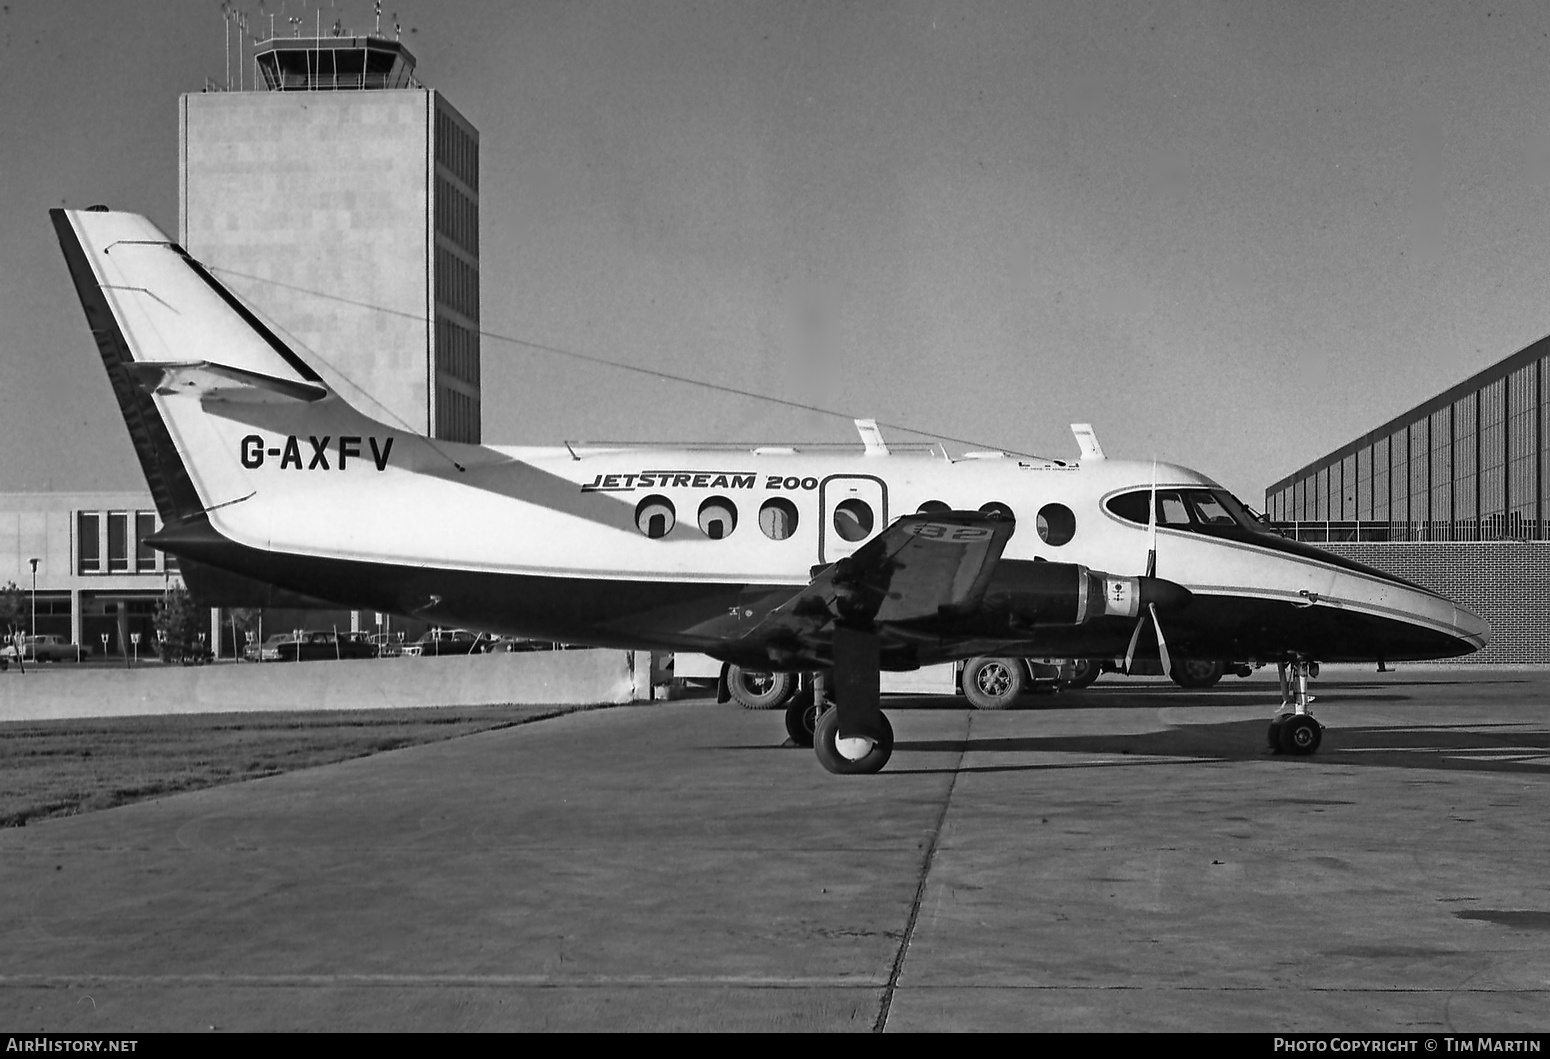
1453 495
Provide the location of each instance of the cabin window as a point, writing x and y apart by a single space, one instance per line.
718 518
853 519
778 518
1056 524
932 507
996 509
654 516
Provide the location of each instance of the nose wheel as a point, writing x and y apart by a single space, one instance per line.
1294 730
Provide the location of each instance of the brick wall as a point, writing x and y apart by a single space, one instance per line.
1505 582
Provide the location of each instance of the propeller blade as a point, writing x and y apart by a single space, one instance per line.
1162 645
1135 639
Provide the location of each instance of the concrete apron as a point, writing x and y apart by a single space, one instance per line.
61 691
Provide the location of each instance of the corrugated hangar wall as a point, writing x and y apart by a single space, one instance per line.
1505 582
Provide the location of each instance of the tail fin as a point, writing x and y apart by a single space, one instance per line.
162 321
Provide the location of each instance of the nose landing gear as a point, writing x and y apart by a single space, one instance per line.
1294 730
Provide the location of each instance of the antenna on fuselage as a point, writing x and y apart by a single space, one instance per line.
1087 441
871 437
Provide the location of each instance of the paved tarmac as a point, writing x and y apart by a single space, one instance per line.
1125 858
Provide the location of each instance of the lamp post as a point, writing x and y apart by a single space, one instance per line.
34 627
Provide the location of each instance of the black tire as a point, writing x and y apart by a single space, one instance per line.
1084 673
824 734
1197 674
760 691
801 717
1301 735
992 683
1273 737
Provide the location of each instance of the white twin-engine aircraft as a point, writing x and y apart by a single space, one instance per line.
769 558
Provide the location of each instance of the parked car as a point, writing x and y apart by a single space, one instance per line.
447 642
45 647
386 645
1193 673
315 646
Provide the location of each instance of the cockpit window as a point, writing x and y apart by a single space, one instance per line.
1171 510
1197 510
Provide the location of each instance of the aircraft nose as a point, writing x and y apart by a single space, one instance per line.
1471 627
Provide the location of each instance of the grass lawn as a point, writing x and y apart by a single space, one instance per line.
58 768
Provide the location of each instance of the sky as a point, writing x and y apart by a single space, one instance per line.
1229 235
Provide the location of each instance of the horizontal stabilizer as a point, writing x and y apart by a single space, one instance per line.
203 378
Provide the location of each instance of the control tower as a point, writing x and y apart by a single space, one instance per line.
340 199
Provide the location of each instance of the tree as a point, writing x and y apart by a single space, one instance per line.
177 627
13 618
246 621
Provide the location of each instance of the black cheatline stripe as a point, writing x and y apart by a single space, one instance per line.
170 485
298 365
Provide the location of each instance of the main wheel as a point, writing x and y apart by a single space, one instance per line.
850 757
1197 674
760 691
801 717
1301 735
1084 673
992 683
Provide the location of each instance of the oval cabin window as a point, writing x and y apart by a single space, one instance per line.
654 516
1056 524
718 518
778 518
853 519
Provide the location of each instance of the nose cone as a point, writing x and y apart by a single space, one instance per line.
1400 620
1471 627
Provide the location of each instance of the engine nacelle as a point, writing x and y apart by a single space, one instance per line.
1032 594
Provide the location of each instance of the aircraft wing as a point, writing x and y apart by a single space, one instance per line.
920 568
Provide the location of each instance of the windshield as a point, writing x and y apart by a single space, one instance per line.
1199 510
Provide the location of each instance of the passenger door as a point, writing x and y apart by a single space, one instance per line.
853 508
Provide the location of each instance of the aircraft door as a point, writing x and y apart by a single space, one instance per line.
853 510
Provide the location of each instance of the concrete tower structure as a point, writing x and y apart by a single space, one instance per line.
340 199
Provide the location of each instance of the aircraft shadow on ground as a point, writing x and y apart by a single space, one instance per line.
1423 746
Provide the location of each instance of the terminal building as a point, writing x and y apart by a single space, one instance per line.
1454 495
82 562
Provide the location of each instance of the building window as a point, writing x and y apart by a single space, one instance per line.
1522 453
1364 484
1442 475
1420 481
1493 459
88 543
1465 479
1399 484
118 542
145 555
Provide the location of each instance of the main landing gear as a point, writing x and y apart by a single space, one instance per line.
1294 730
851 736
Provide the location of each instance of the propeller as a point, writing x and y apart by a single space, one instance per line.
1151 571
